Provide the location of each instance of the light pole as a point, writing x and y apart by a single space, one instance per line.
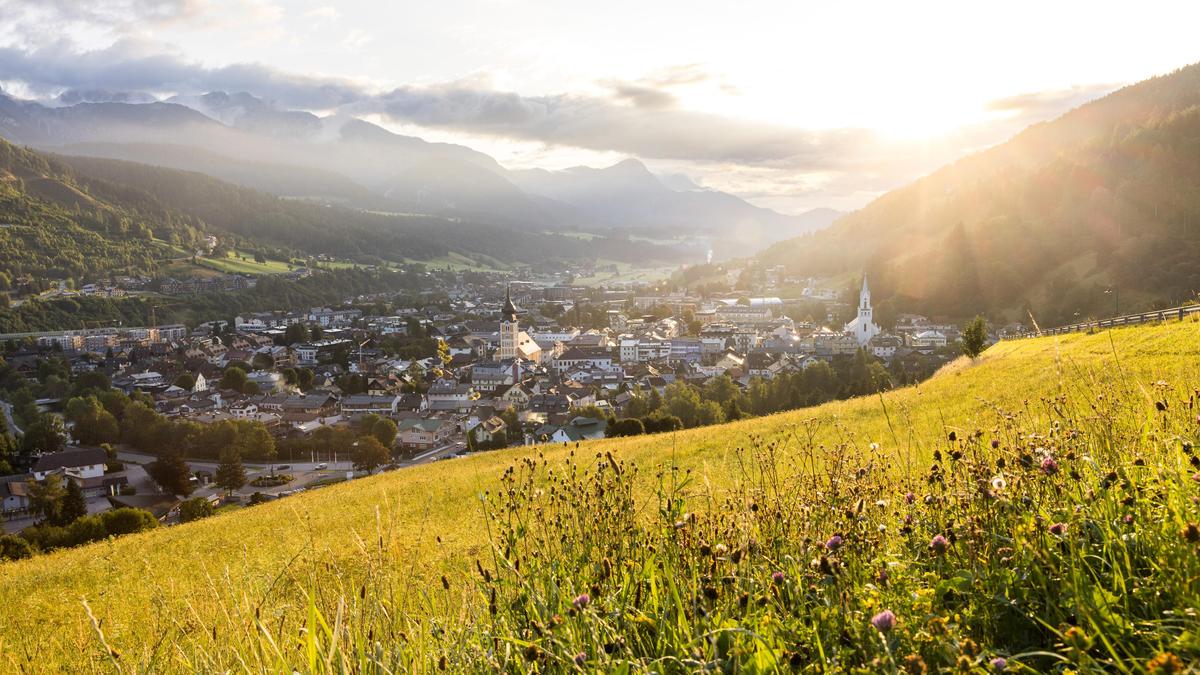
1112 290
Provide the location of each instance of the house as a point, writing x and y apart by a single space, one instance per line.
927 338
424 434
357 405
580 357
578 429
243 410
315 403
450 396
14 494
885 346
516 396
79 462
490 431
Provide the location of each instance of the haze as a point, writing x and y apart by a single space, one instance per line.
788 105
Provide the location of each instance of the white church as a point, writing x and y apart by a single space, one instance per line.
863 326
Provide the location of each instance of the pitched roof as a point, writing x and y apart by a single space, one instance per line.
69 459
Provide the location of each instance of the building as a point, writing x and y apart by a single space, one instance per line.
80 463
424 434
515 343
863 326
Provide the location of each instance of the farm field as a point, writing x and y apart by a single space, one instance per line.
397 572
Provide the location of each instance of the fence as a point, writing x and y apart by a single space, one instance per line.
1128 320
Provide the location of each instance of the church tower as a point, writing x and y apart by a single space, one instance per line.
863 326
509 330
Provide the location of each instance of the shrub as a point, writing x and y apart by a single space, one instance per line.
195 509
13 547
128 521
86 530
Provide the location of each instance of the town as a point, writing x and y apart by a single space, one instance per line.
310 397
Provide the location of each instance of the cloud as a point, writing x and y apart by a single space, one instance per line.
131 64
596 123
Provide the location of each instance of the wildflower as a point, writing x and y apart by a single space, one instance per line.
1128 518
1058 529
914 664
882 577
938 544
1164 664
884 621
909 497
998 483
580 659
998 664
721 549
1075 637
778 577
995 443
582 600
1049 466
874 446
835 542
1192 532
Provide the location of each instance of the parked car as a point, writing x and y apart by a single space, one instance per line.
283 467
322 466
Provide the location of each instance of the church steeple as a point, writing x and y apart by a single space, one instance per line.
509 311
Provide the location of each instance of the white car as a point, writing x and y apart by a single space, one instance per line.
321 467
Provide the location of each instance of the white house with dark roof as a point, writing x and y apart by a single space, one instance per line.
79 462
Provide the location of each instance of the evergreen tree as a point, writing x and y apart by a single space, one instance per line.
231 475
73 505
974 337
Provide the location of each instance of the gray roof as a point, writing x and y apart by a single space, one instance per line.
69 459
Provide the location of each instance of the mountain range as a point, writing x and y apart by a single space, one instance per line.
1094 212
343 160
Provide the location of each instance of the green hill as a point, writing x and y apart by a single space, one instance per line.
710 551
1103 196
55 228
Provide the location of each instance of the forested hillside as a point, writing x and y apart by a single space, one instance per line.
1106 196
54 226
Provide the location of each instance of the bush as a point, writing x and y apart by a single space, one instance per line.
658 423
127 521
86 530
13 547
273 481
629 426
195 509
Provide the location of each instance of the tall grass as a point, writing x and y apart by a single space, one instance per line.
1060 535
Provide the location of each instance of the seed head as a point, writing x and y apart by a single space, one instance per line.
582 600
778 577
835 542
1192 532
1058 529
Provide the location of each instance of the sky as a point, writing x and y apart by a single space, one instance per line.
791 105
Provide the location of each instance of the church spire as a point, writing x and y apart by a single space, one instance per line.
509 311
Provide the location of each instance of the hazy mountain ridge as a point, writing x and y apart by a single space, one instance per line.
413 175
1102 197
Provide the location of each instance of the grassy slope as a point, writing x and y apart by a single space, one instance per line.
177 588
